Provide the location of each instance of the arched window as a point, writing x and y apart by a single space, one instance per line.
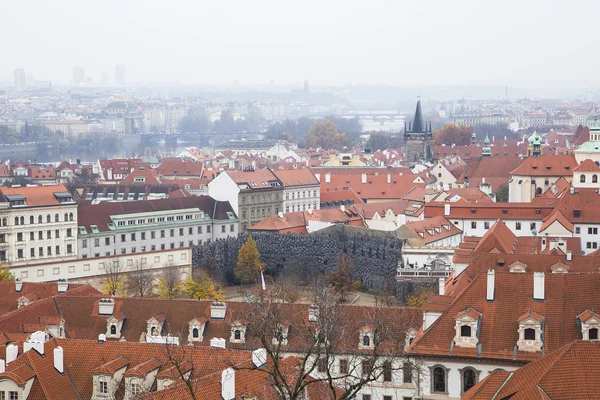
366 340
465 331
529 334
16 220
237 335
113 329
56 218
70 216
195 333
469 379
22 220
66 217
153 331
61 332
593 334
594 178
48 218
582 178
40 219
31 220
439 380
538 191
4 221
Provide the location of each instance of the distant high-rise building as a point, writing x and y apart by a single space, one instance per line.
120 75
78 75
104 80
306 87
20 80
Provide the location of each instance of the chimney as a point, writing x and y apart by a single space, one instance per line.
343 208
218 309
313 313
310 211
101 338
18 285
441 284
491 288
327 177
12 352
446 209
538 286
569 255
280 214
2 367
38 336
106 306
228 384
37 346
59 359
63 285
363 178
389 178
259 357
217 343
318 176
572 190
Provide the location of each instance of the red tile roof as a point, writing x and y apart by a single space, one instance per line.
566 296
568 373
587 166
35 196
255 180
536 210
296 177
433 229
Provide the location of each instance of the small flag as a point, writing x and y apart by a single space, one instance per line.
262 280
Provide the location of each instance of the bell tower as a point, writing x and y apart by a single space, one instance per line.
417 138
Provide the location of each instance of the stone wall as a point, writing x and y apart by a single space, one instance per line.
375 254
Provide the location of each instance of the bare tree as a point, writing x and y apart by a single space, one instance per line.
342 349
140 279
180 366
113 279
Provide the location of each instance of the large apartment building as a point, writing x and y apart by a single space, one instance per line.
255 195
114 228
37 224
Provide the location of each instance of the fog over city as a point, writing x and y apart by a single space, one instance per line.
516 43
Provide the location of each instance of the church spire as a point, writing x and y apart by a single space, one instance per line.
417 126
486 150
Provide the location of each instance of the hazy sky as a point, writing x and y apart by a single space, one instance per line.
527 43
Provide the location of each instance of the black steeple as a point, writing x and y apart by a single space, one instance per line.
417 126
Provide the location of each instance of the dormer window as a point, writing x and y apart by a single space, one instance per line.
155 326
410 337
467 322
196 329
590 324
282 333
366 338
114 325
517 267
531 328
238 331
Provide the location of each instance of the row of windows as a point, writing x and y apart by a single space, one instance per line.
258 198
21 220
40 252
10 395
304 207
367 368
257 213
144 248
144 221
296 195
40 235
594 178
486 225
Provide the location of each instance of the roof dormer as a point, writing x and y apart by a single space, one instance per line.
559 268
590 324
531 332
238 331
411 334
114 324
140 378
282 333
155 325
196 329
467 328
107 378
518 267
366 337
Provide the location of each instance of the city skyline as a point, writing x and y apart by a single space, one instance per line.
430 43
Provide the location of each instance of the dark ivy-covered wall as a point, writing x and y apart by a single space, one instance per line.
375 254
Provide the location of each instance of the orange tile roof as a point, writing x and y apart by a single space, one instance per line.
256 180
36 196
536 210
296 177
556 216
433 229
587 166
547 165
